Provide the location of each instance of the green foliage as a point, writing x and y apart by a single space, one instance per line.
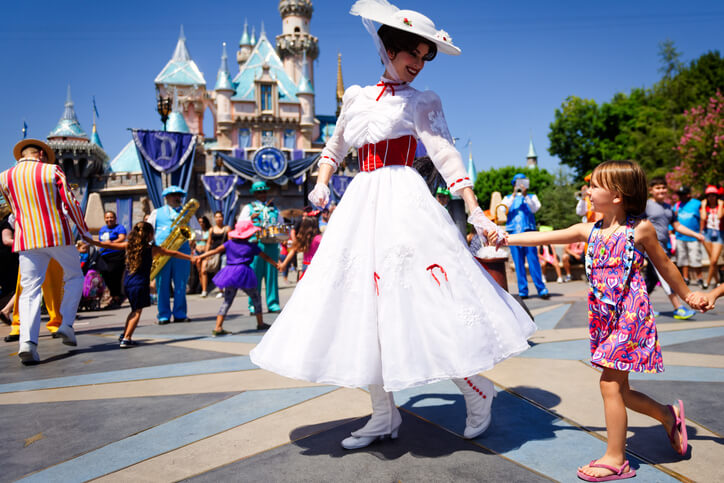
558 203
500 180
644 125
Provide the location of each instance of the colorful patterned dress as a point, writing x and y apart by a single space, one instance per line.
621 323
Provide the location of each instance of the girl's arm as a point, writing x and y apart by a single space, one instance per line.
712 296
646 237
156 250
269 260
291 253
702 217
572 234
208 253
108 244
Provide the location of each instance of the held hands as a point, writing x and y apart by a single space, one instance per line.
699 301
319 196
486 229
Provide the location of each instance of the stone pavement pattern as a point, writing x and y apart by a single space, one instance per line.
186 406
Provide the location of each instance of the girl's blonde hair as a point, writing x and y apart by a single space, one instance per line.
137 240
625 178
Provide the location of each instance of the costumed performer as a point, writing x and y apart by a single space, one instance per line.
400 300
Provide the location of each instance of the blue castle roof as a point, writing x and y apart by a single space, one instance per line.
68 126
181 70
176 123
223 78
127 160
245 36
95 138
263 53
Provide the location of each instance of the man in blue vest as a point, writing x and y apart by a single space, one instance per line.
262 213
521 218
176 271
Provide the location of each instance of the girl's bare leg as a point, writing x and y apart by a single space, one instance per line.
132 322
612 387
219 323
713 258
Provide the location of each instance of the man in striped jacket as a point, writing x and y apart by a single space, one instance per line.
43 204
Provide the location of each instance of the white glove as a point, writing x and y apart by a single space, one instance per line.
319 196
483 226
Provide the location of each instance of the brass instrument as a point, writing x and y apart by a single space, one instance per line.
180 233
500 220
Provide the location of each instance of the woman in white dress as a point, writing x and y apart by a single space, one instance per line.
393 299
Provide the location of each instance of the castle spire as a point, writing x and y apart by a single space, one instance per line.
181 53
245 36
223 79
532 158
253 35
68 126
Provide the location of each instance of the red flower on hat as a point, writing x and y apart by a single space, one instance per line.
407 22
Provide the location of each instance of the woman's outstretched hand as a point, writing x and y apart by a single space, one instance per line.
486 229
319 196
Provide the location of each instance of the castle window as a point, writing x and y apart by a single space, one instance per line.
296 30
290 139
244 138
266 97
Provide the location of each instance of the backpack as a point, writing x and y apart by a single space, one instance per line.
93 284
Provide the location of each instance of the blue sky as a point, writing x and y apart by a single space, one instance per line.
520 60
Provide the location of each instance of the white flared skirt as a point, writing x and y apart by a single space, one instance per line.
392 296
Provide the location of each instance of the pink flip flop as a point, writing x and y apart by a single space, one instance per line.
618 473
679 425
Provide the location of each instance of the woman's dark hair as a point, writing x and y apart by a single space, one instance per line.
205 223
308 229
396 40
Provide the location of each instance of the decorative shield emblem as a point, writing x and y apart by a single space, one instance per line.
269 163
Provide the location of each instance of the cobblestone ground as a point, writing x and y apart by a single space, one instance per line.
184 405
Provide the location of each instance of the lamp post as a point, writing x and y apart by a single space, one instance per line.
163 106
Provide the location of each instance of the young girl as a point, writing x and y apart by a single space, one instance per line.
237 274
140 251
622 328
712 211
201 246
306 241
393 299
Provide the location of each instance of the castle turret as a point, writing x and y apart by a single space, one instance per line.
224 90
182 77
245 46
305 94
68 125
295 41
532 158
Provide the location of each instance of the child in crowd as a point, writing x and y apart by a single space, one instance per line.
712 213
573 253
660 214
237 274
622 328
307 241
140 251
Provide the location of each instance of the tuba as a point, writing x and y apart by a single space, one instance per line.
180 233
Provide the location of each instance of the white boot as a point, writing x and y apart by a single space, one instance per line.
478 393
384 422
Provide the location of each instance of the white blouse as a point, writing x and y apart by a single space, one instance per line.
375 113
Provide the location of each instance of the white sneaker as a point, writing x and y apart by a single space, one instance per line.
559 280
67 333
567 279
28 352
204 294
219 295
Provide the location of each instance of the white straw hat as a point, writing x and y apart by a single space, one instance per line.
381 11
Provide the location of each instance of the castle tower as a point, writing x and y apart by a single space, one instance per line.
182 78
245 46
340 84
224 90
532 158
295 40
68 126
305 93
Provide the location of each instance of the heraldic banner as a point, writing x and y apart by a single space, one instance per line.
221 194
164 152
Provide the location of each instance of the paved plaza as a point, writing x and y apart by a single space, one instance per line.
183 405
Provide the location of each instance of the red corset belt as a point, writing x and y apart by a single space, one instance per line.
390 152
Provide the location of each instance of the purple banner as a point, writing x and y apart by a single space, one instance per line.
165 151
220 185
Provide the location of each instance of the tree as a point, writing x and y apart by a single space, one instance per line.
645 125
558 203
500 180
700 147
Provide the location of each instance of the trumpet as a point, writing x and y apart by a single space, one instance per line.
180 233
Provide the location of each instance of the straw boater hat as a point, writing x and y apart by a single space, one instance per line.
381 11
18 149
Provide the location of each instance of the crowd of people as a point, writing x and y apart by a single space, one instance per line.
389 298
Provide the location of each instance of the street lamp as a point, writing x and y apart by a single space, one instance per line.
163 106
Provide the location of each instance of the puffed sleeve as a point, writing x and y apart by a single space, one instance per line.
433 132
336 148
